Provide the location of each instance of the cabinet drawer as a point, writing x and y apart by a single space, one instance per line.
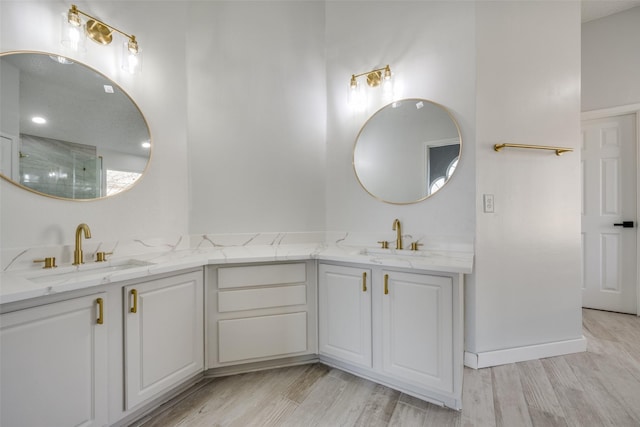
261 275
251 299
265 336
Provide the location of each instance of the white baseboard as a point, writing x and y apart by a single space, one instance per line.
520 354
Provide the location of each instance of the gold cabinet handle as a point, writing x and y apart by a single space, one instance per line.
364 281
386 284
134 307
100 303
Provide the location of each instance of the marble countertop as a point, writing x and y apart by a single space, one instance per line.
24 284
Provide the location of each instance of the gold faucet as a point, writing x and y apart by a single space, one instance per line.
398 229
78 257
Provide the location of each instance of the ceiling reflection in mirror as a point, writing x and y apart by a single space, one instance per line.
66 130
407 151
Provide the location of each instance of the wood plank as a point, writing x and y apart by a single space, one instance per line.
407 415
510 404
477 398
299 390
541 418
356 394
560 373
316 405
380 407
537 389
442 417
607 406
578 410
272 411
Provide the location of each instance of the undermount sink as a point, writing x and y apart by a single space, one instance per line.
393 252
84 270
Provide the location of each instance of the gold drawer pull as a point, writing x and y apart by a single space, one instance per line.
364 281
386 284
134 307
100 303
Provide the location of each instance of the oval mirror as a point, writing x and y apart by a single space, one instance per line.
66 130
407 151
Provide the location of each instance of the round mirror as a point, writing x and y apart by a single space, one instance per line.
66 130
407 151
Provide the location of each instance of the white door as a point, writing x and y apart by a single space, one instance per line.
53 364
164 336
345 313
609 218
417 329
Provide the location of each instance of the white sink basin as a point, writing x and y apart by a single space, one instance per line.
394 252
84 270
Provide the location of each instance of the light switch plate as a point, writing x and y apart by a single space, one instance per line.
488 203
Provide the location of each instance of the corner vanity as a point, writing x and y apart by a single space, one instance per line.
113 335
102 345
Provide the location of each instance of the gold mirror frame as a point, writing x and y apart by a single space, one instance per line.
385 170
143 123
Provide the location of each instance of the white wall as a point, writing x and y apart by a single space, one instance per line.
257 116
258 89
157 206
430 47
611 61
526 287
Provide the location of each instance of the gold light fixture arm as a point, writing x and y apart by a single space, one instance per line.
374 77
99 31
559 150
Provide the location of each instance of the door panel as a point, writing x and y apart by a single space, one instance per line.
345 313
609 192
164 333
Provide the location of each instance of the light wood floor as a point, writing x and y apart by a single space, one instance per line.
598 388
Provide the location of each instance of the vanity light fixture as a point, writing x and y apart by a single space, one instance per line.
375 78
101 33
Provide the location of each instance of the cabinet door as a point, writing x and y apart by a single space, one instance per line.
417 329
164 339
53 365
345 313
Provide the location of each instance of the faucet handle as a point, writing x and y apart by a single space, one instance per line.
384 244
49 262
414 246
102 256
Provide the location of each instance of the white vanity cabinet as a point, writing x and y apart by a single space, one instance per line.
260 312
344 313
163 334
404 329
53 364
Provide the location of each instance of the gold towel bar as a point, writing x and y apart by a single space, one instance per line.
559 150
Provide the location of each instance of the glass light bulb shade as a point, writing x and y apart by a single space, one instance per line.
356 97
387 73
353 83
131 60
73 17
132 45
72 35
388 90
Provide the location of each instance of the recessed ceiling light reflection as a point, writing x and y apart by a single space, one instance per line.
39 120
146 144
